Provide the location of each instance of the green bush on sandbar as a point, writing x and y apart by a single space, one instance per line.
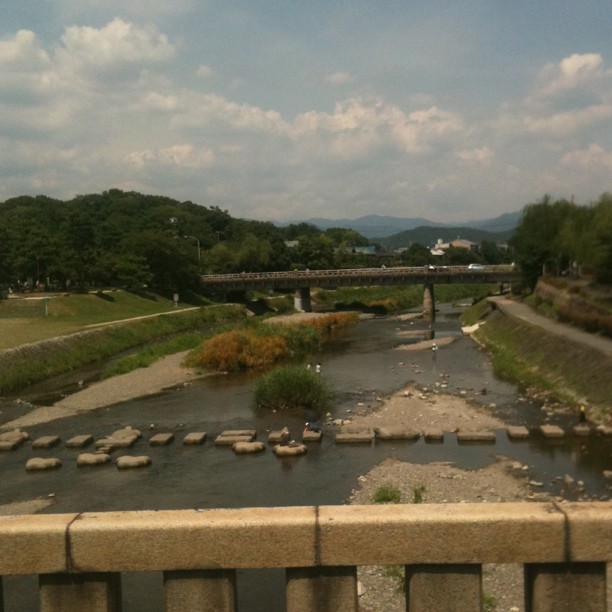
292 386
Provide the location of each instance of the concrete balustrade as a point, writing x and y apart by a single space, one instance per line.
80 557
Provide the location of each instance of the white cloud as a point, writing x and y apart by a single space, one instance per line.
116 44
594 157
571 72
564 123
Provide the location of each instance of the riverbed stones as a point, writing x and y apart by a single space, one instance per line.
517 432
161 439
552 431
10 440
45 442
80 441
87 459
40 464
476 436
396 433
605 430
127 462
247 448
194 438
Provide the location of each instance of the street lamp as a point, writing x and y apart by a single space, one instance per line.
199 252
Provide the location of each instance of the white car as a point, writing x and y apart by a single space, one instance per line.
476 267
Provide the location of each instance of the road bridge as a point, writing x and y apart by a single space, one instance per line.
302 281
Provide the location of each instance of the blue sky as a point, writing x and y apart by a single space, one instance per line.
283 110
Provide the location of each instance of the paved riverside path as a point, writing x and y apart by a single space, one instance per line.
518 310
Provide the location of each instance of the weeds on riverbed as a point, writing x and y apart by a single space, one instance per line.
259 344
387 494
292 386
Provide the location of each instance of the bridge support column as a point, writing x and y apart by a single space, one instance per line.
322 588
429 303
301 300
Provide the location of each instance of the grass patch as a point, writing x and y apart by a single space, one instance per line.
387 494
292 386
418 492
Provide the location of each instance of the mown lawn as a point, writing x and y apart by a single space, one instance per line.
23 320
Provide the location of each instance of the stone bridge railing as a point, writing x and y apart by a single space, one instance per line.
79 558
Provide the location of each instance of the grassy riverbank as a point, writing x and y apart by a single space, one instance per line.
562 370
162 335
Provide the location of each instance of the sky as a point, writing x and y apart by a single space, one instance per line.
282 110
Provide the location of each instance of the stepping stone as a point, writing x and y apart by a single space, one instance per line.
127 462
39 464
10 440
45 442
517 432
80 441
605 430
582 430
229 436
161 439
290 451
352 437
86 459
476 436
433 435
245 448
112 443
239 432
126 432
552 431
396 433
195 437
274 437
311 436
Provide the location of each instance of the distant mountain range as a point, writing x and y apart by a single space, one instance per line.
383 226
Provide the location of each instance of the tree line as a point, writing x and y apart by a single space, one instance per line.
132 240
563 238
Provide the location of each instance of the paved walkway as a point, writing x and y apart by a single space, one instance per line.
518 310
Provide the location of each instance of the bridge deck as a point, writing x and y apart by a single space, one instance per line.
421 275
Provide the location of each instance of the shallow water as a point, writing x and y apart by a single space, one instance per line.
362 367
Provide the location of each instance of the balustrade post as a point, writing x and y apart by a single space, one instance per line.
99 592
565 587
202 590
452 588
322 589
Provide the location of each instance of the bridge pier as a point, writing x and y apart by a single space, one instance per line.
429 303
301 299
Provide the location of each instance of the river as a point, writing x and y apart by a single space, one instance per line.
361 367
